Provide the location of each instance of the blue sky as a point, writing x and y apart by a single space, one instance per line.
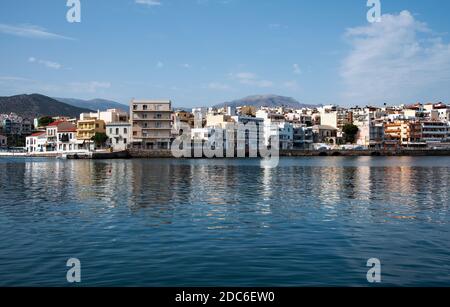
203 52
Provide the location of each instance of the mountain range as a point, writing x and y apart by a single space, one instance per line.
94 104
36 105
270 100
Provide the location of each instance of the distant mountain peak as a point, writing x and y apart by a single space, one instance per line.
266 100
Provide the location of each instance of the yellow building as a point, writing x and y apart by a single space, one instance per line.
88 127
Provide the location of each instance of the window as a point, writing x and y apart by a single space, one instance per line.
125 131
144 107
135 107
124 141
117 130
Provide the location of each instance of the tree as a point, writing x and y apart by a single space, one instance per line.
45 121
350 132
99 139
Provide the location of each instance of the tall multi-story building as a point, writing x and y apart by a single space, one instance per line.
405 133
151 123
435 132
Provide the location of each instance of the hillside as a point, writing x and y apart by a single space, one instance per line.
36 105
95 104
266 101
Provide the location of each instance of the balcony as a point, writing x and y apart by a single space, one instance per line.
138 118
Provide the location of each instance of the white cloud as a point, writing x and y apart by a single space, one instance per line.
296 68
46 63
187 66
218 86
397 60
30 31
249 78
149 2
159 64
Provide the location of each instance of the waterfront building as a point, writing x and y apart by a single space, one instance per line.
52 136
405 133
370 135
325 134
151 123
249 138
336 117
303 137
275 123
86 130
66 138
370 127
435 132
119 135
37 142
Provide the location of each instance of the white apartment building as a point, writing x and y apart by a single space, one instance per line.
119 135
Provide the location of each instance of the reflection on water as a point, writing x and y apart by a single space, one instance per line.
310 221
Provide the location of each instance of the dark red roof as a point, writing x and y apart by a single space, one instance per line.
38 133
54 124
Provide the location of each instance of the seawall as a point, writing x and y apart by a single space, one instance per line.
314 153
